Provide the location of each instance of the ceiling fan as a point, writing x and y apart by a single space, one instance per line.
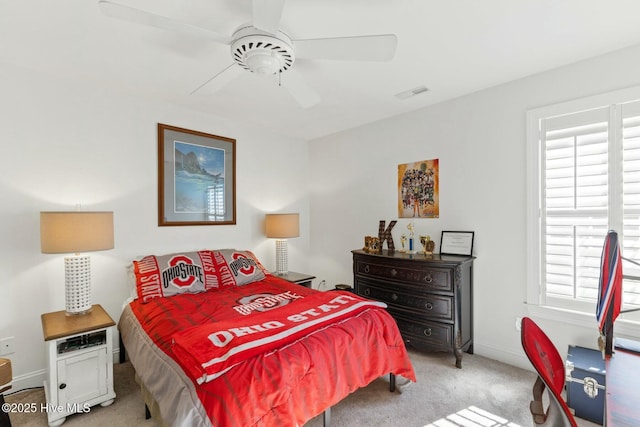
262 48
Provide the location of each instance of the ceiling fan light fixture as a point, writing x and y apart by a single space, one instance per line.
267 63
262 53
260 47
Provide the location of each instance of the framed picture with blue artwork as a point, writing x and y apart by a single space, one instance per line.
196 178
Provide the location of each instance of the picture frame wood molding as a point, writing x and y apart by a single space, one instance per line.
196 178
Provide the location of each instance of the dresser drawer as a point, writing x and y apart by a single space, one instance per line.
426 305
432 278
430 297
432 334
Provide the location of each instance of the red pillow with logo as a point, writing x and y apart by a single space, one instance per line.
237 268
172 274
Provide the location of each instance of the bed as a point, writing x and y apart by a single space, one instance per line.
216 340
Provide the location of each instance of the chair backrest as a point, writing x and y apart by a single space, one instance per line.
545 358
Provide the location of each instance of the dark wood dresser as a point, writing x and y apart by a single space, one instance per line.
429 296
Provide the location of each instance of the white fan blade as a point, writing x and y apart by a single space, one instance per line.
267 14
357 48
297 87
126 13
221 79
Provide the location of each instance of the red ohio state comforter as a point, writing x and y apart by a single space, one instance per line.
263 354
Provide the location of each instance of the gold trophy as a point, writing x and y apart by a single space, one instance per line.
403 240
427 245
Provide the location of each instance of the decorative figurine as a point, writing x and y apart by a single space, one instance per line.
428 245
367 243
375 245
403 240
371 244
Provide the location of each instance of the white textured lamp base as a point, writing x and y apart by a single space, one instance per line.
282 256
77 282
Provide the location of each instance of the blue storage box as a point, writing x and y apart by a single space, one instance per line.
585 384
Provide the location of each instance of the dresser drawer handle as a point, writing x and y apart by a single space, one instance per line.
428 306
394 297
366 268
393 272
367 291
427 332
428 278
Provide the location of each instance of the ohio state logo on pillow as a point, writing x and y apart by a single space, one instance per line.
237 268
172 274
181 272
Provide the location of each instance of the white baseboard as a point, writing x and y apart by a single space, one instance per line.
28 380
519 360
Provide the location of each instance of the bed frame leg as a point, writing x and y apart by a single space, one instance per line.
326 417
392 382
121 349
147 413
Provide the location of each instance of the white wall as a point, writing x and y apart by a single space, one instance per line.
66 143
480 141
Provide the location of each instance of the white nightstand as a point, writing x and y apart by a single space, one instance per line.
79 362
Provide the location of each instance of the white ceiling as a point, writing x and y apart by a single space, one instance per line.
454 47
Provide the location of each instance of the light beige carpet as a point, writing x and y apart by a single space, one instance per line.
442 395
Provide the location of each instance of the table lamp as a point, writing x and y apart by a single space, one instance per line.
281 227
75 232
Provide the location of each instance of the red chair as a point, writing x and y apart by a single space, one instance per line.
545 358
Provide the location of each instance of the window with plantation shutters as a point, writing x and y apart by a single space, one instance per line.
583 180
630 113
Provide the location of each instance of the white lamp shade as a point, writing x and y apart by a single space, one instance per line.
73 232
282 226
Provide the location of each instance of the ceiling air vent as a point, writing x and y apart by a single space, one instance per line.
412 92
